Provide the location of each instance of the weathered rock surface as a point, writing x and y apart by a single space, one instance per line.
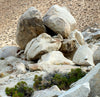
42 44
70 45
92 37
13 60
54 58
8 51
83 56
54 90
93 47
77 35
93 77
12 64
30 25
60 20
35 67
96 56
19 67
82 90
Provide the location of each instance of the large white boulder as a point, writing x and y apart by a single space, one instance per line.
60 20
53 91
8 51
30 25
83 56
81 90
96 55
93 77
42 44
54 58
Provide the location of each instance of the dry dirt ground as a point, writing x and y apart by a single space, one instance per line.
86 13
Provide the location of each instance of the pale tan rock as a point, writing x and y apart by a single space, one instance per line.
42 44
30 25
54 58
60 20
61 68
35 67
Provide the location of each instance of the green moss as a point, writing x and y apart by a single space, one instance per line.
62 80
20 90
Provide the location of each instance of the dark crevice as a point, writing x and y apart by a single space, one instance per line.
50 32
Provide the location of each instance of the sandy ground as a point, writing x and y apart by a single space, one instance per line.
86 13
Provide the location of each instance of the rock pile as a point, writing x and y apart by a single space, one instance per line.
43 52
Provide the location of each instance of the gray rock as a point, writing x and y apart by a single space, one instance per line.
60 20
92 37
96 56
81 90
93 77
44 43
30 25
8 51
54 90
